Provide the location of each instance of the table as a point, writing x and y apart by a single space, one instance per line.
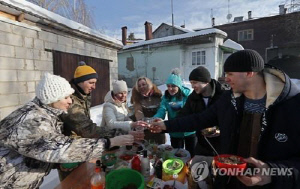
79 178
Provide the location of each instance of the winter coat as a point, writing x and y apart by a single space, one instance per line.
78 123
196 104
31 141
115 114
145 106
278 145
166 108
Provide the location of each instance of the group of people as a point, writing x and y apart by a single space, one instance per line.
257 118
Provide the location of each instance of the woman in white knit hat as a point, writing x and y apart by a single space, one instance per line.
115 110
31 138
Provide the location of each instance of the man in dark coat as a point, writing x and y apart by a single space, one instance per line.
259 118
206 92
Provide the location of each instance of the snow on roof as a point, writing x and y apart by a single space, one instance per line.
176 37
183 29
233 45
53 17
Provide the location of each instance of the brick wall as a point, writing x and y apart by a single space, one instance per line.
25 54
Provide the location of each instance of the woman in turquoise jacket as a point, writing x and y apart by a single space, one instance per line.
172 101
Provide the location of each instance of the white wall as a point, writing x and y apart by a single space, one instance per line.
163 59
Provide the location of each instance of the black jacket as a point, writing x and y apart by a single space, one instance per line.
196 104
279 143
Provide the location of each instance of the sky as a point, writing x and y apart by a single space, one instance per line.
111 15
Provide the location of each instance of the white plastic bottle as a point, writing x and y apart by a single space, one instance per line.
145 164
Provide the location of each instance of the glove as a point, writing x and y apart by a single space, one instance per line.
121 140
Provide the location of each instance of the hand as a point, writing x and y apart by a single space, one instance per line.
138 136
258 178
66 169
121 140
139 123
157 127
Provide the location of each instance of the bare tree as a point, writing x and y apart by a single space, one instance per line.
76 10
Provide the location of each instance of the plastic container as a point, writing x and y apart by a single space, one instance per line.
109 159
169 163
120 178
69 165
230 168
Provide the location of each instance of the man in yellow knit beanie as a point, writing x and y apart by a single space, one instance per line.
77 122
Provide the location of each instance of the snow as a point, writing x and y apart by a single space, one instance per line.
233 45
183 29
48 15
176 37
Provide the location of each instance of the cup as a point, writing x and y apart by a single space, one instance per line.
139 129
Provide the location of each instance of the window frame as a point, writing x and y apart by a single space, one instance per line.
243 35
198 57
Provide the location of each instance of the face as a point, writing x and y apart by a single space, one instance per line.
88 86
63 104
237 81
172 89
121 96
143 86
198 86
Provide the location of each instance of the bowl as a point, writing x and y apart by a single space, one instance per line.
109 159
230 164
69 165
211 132
124 177
173 166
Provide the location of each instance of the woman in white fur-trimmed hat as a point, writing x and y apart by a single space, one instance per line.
115 111
31 138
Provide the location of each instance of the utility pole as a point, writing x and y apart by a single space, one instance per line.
172 17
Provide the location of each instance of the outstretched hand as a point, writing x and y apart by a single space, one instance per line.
157 126
259 178
121 140
139 123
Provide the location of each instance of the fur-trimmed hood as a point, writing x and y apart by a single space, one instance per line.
279 86
137 97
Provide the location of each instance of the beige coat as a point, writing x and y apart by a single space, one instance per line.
115 114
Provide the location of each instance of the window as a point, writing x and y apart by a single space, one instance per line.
245 35
198 58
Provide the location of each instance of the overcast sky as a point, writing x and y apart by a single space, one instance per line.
111 15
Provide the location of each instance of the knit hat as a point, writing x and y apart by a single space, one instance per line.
200 74
84 72
119 86
244 61
53 88
175 78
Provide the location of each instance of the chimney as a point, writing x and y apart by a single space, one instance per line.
249 15
282 10
124 35
148 30
182 26
212 21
